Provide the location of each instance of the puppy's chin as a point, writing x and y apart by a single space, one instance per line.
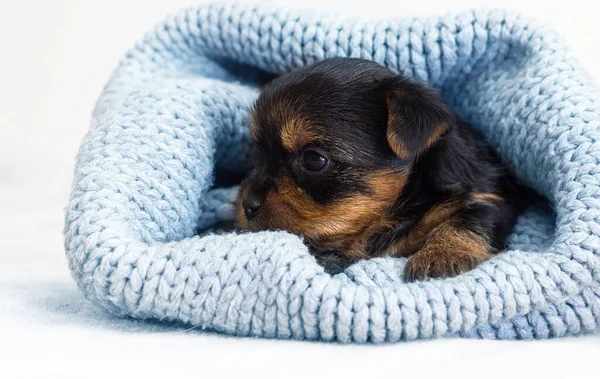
330 259
259 225
251 227
334 266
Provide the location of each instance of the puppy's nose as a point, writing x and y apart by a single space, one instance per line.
251 204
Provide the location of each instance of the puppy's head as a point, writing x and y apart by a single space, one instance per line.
335 143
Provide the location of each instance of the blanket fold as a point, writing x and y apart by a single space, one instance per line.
173 117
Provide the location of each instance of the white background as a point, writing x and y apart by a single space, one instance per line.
55 56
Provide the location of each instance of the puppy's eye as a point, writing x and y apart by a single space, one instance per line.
313 161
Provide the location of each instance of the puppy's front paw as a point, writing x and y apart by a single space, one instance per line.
447 253
429 263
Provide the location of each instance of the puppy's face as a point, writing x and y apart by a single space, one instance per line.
334 145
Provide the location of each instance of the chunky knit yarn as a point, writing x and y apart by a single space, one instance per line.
174 116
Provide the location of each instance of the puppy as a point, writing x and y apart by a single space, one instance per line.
363 163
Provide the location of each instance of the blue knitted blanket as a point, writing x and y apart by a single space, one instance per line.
170 130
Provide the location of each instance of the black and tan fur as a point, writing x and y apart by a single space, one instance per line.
403 176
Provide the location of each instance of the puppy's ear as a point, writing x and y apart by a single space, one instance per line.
417 117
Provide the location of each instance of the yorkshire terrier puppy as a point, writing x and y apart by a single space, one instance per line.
362 162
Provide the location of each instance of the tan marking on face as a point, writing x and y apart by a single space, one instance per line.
344 224
296 134
485 197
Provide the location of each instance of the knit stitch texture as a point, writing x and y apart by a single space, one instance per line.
174 116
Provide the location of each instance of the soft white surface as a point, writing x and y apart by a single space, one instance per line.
55 57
